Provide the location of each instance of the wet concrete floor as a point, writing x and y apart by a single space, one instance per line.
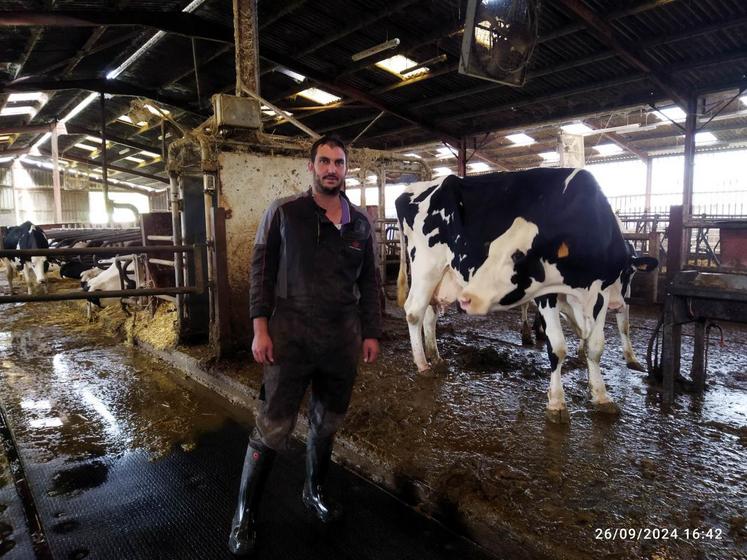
470 444
125 458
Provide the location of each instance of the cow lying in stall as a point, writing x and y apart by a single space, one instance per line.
497 241
27 236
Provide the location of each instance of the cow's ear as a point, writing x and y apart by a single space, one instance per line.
645 264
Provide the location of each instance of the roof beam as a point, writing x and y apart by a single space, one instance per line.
94 163
113 87
604 33
180 23
75 129
355 93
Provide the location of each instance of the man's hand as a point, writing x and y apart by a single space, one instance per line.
370 350
262 343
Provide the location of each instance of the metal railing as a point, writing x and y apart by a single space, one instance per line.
198 253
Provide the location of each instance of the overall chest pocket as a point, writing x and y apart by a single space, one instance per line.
354 239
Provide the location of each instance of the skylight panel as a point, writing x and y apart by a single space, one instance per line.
673 113
576 128
608 149
352 182
705 138
18 110
85 147
521 139
135 159
319 96
399 63
445 153
549 156
439 171
478 166
28 96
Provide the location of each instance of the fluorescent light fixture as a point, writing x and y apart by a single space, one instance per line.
376 49
150 154
608 149
439 171
416 156
521 139
397 64
576 128
673 113
28 96
4 137
79 107
93 139
478 166
86 147
291 74
18 110
743 99
6 158
135 159
444 153
319 96
549 156
352 182
705 138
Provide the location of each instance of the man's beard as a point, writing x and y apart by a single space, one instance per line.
323 189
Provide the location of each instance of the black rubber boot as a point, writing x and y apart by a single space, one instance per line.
257 464
318 457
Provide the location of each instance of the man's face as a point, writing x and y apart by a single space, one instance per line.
328 169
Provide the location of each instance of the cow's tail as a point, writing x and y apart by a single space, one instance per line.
402 286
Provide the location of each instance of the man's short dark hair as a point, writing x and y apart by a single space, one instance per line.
331 140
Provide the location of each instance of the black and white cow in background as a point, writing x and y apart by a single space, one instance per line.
27 236
126 272
497 241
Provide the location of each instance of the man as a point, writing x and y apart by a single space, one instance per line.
315 308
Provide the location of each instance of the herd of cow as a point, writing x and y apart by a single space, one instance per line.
120 274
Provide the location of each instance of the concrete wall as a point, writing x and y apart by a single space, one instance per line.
249 183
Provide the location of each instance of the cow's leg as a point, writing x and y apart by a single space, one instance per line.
623 325
526 330
556 350
429 332
538 327
594 347
10 272
30 277
418 301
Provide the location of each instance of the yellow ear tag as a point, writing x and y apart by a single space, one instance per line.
563 250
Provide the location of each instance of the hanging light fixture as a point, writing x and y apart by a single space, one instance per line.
376 49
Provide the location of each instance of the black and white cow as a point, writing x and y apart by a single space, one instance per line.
125 273
27 236
496 241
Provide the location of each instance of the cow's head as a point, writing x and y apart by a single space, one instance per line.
509 269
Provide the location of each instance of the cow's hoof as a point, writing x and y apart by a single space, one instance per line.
558 415
439 367
608 407
636 366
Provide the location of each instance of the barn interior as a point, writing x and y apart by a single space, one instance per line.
165 129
